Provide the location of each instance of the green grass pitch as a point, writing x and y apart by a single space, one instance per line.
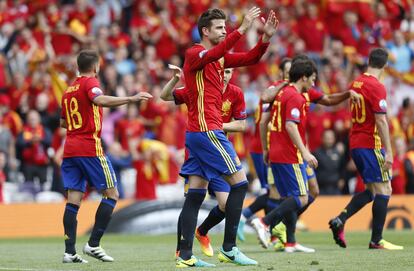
135 252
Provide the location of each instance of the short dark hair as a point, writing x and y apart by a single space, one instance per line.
301 68
283 63
300 57
378 57
206 18
86 60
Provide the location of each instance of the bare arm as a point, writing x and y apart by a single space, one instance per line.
235 126
166 92
383 130
337 98
293 131
270 93
112 101
196 60
263 134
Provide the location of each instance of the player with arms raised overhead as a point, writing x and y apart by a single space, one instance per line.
371 151
234 120
211 154
84 159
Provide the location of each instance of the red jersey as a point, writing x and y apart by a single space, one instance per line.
289 105
83 118
256 143
204 73
311 96
233 105
364 133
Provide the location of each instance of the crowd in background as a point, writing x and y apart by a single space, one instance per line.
39 42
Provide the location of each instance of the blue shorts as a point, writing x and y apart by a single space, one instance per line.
369 163
97 171
310 172
290 179
261 168
211 155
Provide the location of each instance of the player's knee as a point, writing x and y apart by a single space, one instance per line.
75 197
222 206
111 193
314 192
303 200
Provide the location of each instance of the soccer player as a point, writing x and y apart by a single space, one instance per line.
211 153
286 154
369 136
234 120
268 200
84 159
311 96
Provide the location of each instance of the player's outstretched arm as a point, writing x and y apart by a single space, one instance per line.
196 58
167 90
253 56
293 131
337 98
235 126
264 123
112 101
270 26
270 93
383 130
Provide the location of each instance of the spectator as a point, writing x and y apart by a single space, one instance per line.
401 54
120 160
2 174
329 170
33 142
7 147
409 169
398 175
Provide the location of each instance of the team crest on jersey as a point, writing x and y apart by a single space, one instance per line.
357 84
97 91
383 104
295 113
225 108
202 53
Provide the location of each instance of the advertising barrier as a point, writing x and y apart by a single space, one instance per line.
160 217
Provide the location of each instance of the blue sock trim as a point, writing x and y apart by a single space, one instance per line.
197 191
387 197
272 204
72 209
110 202
245 182
310 199
247 213
298 202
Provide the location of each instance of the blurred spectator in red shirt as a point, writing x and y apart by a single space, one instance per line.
398 175
409 168
33 143
318 120
312 30
10 118
2 174
80 18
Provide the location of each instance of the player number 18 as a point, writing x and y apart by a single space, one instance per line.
73 117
